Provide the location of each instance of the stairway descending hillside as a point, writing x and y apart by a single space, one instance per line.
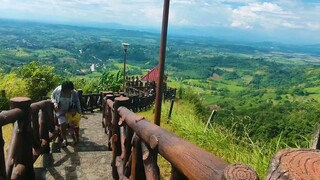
89 159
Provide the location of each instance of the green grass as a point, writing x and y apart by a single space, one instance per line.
220 142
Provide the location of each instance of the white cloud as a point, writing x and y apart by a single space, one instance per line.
183 2
145 12
291 25
263 15
314 26
279 14
240 24
184 22
266 6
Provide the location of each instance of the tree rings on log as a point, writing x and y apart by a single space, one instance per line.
239 172
299 164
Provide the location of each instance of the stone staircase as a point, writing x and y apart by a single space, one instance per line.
89 159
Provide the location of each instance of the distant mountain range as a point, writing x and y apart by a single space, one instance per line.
216 33
227 41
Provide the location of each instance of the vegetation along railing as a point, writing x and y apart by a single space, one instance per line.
135 144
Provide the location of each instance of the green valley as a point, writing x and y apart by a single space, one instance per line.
261 90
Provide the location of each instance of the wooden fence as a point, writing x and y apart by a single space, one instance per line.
33 130
135 144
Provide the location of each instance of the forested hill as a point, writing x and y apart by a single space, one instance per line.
72 48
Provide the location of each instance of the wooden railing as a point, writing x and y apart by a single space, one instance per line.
32 132
90 101
135 143
35 127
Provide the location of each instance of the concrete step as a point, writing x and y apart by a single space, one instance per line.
75 165
89 159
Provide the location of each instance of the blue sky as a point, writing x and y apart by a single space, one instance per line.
293 21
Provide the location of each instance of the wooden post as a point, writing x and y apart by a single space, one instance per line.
119 101
42 122
150 164
134 157
122 141
114 140
213 113
7 117
2 160
107 114
137 170
46 124
80 93
176 175
108 118
116 149
21 149
101 100
128 146
127 170
36 134
171 107
91 102
50 118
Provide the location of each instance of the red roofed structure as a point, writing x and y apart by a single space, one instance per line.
153 75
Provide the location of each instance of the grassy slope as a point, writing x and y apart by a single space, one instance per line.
7 132
216 140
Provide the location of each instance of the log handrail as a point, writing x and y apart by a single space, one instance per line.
19 161
138 159
30 137
179 152
135 144
10 116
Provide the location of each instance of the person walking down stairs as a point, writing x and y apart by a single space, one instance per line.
63 98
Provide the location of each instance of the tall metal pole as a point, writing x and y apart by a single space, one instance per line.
164 31
124 68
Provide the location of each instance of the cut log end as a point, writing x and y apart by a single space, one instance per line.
121 98
20 99
20 102
239 172
295 164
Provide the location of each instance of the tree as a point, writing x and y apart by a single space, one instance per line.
13 85
39 79
110 81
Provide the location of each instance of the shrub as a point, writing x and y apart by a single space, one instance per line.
4 103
